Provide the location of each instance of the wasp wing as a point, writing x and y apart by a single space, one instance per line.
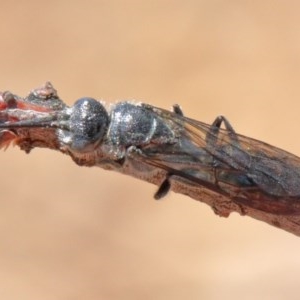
248 171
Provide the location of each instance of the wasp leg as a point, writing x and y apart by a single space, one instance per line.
137 154
177 110
212 135
165 186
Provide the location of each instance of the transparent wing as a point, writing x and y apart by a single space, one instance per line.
246 170
274 171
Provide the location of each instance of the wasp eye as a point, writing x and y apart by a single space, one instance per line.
88 123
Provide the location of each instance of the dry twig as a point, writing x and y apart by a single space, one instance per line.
266 188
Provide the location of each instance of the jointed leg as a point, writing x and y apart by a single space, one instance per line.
212 135
177 110
164 188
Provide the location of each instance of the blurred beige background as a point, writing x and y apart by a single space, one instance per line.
77 233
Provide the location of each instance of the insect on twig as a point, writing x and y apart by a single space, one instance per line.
228 171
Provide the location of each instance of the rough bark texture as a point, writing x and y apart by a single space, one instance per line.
29 138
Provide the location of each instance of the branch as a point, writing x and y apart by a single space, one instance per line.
42 120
